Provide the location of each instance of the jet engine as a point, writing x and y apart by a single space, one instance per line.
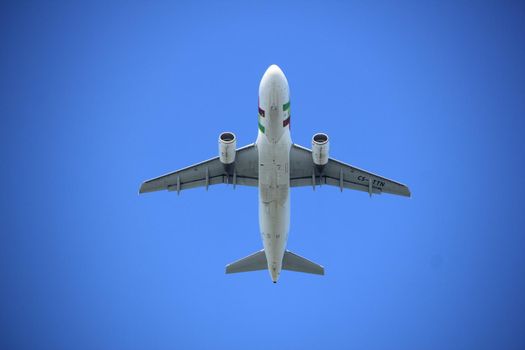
320 147
227 146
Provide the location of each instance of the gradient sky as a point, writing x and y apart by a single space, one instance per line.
96 97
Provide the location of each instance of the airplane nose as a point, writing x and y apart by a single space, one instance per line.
273 75
274 69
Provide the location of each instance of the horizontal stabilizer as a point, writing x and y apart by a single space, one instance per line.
254 262
294 262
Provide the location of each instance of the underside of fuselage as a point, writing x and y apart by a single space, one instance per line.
273 144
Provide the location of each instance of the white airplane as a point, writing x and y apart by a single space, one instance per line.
274 164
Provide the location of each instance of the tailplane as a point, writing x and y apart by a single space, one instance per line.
254 262
291 262
294 262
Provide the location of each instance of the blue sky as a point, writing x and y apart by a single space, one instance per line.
97 97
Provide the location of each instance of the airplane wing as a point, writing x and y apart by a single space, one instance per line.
303 172
210 172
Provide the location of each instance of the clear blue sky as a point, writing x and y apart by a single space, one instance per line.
97 97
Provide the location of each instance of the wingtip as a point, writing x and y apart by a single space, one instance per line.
142 188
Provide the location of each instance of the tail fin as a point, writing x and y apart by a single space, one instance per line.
254 262
294 262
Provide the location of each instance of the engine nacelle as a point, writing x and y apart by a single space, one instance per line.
227 146
320 148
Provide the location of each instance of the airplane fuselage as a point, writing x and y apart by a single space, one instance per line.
273 145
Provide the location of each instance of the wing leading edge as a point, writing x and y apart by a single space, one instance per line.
303 172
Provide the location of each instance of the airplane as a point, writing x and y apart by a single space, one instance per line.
274 164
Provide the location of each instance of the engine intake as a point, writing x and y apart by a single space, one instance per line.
320 148
227 146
